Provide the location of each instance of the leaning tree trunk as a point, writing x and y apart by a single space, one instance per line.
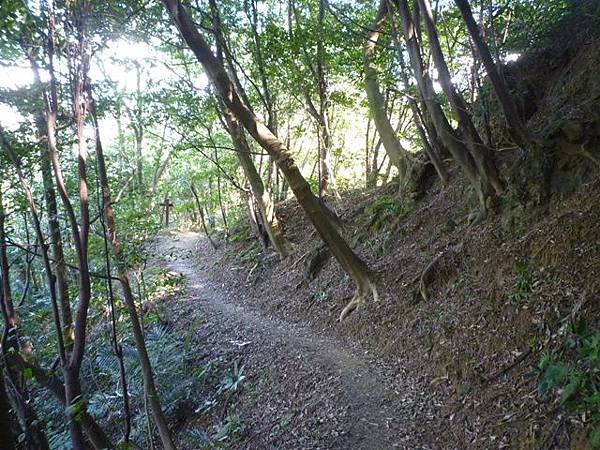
482 156
397 154
138 334
263 198
430 145
516 127
350 262
449 138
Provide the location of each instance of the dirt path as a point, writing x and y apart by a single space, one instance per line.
305 390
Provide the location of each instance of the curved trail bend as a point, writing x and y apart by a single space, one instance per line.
308 390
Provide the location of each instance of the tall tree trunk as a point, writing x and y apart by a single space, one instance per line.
139 142
350 262
483 157
15 383
138 335
391 143
60 269
5 272
327 182
429 145
450 139
261 195
515 124
59 266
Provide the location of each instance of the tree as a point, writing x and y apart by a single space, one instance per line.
351 263
482 156
516 127
397 154
107 211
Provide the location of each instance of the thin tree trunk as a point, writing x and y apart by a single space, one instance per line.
220 198
117 347
15 383
70 384
263 198
261 237
327 182
5 272
350 262
60 269
515 124
202 219
261 195
80 232
59 266
138 335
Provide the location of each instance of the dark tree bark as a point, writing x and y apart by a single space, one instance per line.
5 272
7 438
515 124
52 209
70 383
60 269
80 231
351 263
482 155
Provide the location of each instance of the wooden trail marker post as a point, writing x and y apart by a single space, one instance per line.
167 205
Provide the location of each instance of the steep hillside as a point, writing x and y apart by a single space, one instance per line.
492 317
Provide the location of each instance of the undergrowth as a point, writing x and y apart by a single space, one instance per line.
572 380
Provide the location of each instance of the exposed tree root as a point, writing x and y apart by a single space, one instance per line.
359 299
428 275
314 262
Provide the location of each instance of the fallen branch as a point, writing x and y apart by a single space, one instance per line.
507 368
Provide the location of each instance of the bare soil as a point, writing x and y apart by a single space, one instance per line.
305 390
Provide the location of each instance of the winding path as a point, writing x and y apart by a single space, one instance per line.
311 391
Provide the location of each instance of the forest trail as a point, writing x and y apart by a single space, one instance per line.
309 390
